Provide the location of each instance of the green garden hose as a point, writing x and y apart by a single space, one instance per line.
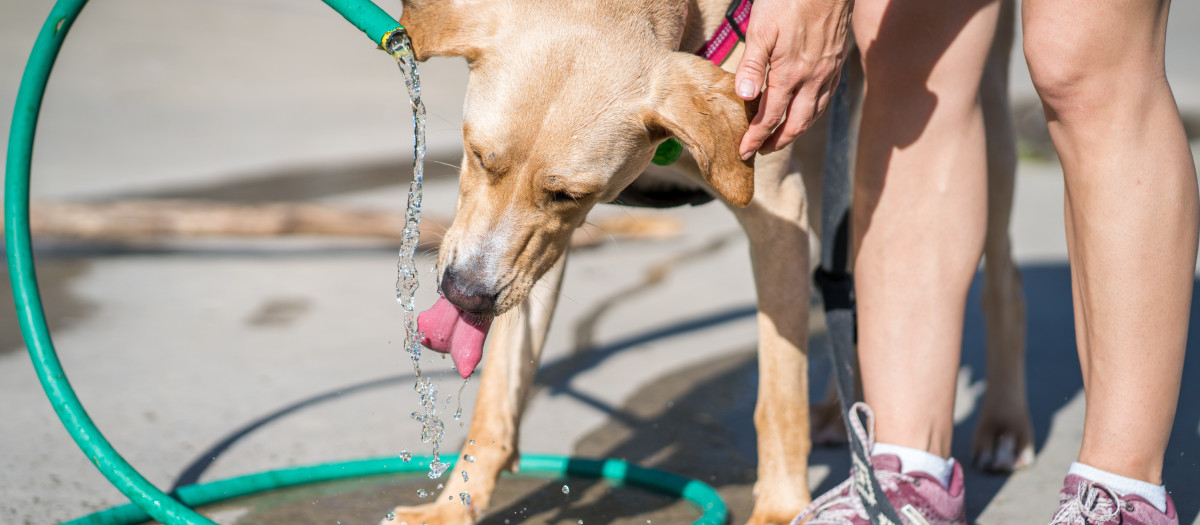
700 494
147 500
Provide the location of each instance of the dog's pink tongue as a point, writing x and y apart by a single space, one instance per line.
450 330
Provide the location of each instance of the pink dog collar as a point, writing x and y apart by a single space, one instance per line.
731 30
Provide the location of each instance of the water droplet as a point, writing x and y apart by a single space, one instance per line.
580 522
472 442
391 516
464 476
421 493
437 468
441 486
566 489
469 458
466 498
405 456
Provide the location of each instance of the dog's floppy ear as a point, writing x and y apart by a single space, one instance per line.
667 21
448 27
695 103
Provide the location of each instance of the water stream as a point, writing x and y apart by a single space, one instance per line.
433 429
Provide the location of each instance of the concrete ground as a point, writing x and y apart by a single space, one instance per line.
206 359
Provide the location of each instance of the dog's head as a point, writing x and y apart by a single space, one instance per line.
565 106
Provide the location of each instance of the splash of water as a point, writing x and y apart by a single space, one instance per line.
432 428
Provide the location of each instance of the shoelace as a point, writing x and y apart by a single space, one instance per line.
840 505
1093 504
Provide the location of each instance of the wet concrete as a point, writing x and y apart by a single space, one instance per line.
690 422
522 500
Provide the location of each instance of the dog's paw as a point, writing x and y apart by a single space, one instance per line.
778 503
826 425
1004 437
771 518
441 513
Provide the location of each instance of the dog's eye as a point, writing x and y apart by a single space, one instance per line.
562 196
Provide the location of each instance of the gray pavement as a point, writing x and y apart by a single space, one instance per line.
176 347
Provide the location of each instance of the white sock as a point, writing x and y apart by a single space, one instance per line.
1155 494
915 460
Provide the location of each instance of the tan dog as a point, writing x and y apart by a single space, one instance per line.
566 104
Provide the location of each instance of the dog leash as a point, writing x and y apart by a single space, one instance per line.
837 292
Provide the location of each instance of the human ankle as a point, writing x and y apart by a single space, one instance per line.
916 460
1154 494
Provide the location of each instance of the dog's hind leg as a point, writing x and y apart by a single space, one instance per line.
512 358
777 228
1004 436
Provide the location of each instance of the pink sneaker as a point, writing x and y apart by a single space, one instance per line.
918 498
1084 502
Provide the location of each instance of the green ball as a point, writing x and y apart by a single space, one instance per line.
668 152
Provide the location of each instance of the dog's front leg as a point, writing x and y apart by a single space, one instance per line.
512 359
777 228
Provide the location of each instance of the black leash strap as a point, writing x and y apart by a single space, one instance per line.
837 292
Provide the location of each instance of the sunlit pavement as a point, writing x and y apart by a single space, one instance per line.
176 347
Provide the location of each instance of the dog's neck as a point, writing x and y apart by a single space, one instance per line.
703 19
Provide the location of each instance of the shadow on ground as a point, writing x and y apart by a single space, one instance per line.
698 422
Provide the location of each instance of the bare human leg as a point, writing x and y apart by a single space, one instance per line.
1131 213
919 207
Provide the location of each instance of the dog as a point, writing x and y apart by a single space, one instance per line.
565 106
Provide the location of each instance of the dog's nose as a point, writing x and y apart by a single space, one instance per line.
466 293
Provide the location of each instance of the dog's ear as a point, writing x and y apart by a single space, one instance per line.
667 21
694 101
448 27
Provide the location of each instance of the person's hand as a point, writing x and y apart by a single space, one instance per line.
804 42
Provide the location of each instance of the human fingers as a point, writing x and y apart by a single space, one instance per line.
802 113
752 70
771 109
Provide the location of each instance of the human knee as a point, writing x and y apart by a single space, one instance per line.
1057 70
1074 72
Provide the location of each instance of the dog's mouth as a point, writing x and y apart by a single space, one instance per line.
450 330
